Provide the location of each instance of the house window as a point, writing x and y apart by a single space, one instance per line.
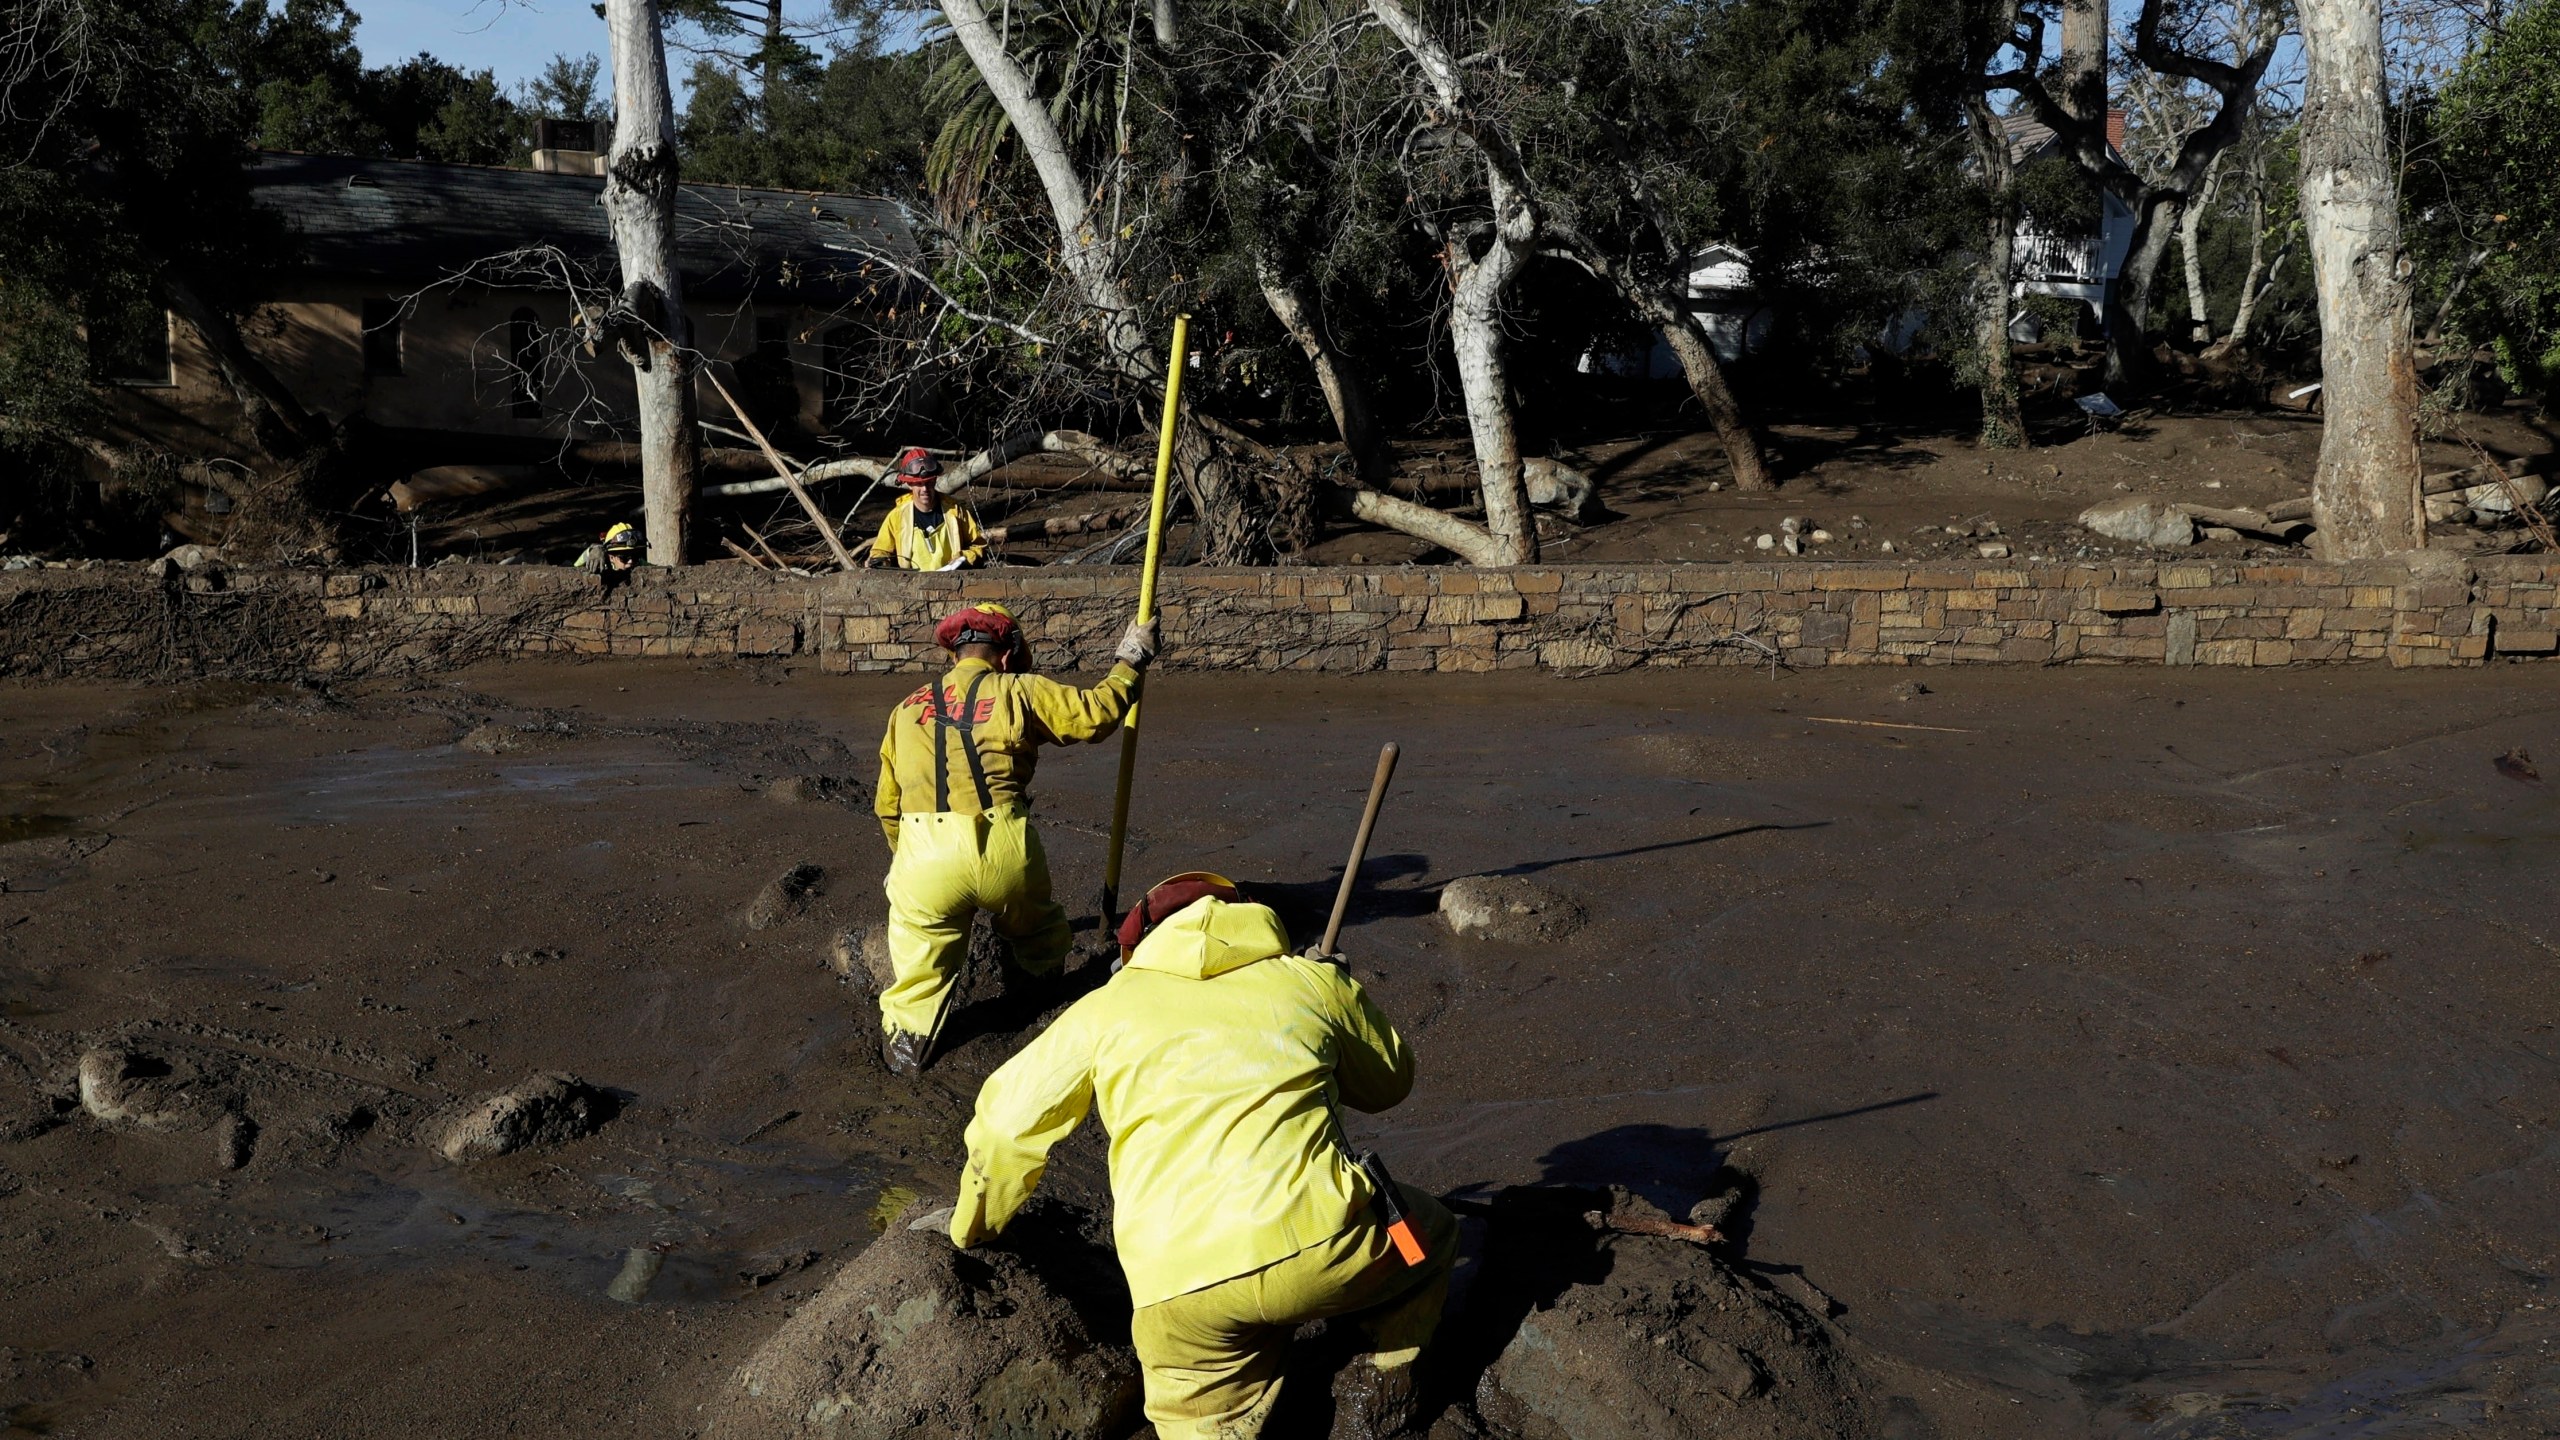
129 345
382 320
524 354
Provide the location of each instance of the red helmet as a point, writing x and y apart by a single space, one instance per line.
982 624
915 467
1169 895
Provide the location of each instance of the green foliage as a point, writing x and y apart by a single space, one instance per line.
850 125
2489 213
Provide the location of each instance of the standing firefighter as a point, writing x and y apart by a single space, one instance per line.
955 803
1216 1060
924 530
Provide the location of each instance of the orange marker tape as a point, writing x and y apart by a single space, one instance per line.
1382 1193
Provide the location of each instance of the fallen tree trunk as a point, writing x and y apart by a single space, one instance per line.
1059 525
2443 482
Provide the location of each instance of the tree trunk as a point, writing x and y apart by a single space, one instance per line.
1688 340
2364 496
1475 332
2083 81
2130 367
1483 281
2258 282
2004 422
1346 389
2190 225
657 338
1088 253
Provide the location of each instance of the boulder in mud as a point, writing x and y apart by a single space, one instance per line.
912 1339
1630 1337
124 1087
1505 907
544 1109
785 897
2141 520
861 955
810 790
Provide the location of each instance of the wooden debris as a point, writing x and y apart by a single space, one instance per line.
1888 725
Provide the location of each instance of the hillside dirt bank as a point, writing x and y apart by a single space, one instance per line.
2127 1053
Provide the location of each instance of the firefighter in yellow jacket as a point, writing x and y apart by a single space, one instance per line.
926 529
1216 1060
955 803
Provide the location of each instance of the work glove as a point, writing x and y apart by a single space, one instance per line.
1137 645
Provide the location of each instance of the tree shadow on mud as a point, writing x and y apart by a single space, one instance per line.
1532 867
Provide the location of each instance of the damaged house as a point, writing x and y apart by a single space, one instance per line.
440 316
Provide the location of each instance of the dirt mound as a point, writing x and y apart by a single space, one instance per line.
1607 1336
784 898
1503 907
915 1340
1714 757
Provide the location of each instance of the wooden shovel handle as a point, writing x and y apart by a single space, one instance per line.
1360 845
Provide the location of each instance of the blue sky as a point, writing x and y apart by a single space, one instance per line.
512 37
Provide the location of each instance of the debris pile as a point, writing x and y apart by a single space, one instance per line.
916 1340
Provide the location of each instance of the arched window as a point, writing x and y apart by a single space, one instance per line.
524 354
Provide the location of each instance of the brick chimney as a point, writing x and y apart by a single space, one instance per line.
571 147
2115 131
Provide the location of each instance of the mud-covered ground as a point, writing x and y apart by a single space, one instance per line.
2125 1052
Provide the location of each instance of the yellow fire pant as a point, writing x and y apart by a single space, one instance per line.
948 867
1214 1357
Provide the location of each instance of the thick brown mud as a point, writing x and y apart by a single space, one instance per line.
2128 1053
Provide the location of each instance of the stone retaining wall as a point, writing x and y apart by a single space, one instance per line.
119 621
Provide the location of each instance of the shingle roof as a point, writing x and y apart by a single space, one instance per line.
413 220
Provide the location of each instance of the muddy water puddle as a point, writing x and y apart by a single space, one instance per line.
714 1229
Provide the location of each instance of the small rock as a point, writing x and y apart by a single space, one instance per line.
235 1136
2141 521
2217 532
531 957
785 897
2448 509
806 790
1908 690
1992 549
125 1087
1766 542
862 956
2492 498
640 1266
1791 545
544 1109
1507 908
192 558
491 739
1886 547
1821 537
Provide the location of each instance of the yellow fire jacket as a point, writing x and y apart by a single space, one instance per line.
917 547
970 741
1216 1060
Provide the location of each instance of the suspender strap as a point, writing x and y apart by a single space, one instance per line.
965 723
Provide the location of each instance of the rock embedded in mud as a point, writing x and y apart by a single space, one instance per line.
915 1340
1503 907
1634 1338
235 1138
128 1088
2141 520
785 897
544 1109
861 955
810 790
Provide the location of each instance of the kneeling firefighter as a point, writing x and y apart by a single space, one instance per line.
955 803
1215 1059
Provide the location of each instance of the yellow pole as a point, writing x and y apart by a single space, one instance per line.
1146 612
